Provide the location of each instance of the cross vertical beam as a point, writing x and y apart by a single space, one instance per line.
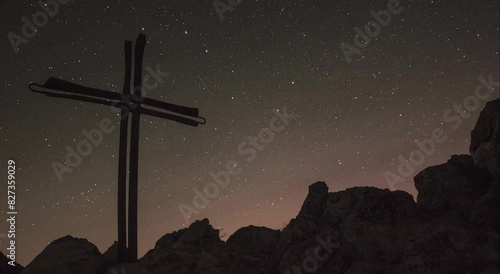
134 150
122 161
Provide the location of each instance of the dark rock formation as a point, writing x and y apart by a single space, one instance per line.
189 250
356 230
249 248
254 241
110 257
67 255
5 267
485 139
452 228
306 224
198 249
450 191
485 150
127 269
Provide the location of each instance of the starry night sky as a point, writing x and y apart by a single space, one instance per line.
353 119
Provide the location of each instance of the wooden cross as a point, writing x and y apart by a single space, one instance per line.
132 103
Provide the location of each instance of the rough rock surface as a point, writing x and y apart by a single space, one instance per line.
249 248
67 255
127 269
485 150
198 249
188 250
485 141
453 227
110 257
450 191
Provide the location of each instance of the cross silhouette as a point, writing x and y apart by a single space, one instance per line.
129 103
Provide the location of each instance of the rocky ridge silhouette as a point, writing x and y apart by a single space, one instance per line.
452 228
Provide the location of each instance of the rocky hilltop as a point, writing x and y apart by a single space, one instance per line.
452 228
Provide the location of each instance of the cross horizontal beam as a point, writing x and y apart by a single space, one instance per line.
81 93
65 86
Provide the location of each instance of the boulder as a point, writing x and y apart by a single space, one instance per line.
485 150
360 205
451 190
185 251
485 140
67 255
357 224
254 241
248 249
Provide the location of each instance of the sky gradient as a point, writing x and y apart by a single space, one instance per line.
353 119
